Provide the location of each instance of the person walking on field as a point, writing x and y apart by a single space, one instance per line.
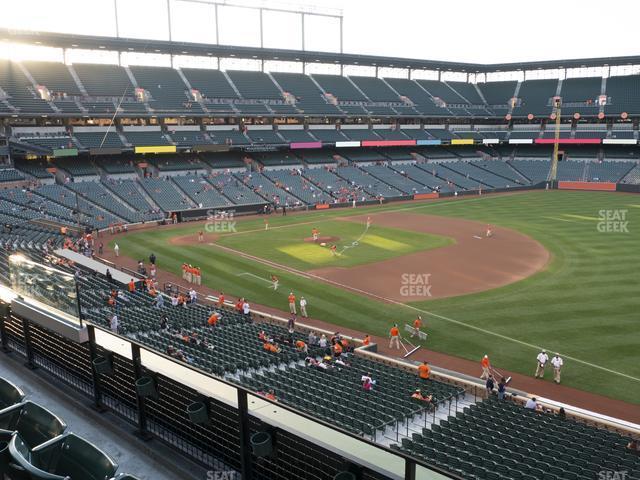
557 363
116 250
486 366
303 307
200 236
394 336
274 282
417 324
542 359
292 303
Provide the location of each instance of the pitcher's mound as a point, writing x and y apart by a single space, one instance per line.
322 239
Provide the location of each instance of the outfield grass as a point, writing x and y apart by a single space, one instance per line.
357 245
584 304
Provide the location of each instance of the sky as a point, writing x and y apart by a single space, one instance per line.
487 31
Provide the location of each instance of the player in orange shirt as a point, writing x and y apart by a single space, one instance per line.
200 236
292 303
424 371
417 325
394 335
221 299
366 341
314 234
486 366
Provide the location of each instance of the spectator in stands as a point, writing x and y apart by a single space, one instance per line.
417 395
271 347
502 388
113 323
312 339
291 324
532 404
109 276
159 301
213 319
323 341
562 414
152 258
239 304
367 382
271 395
164 322
367 340
131 286
174 300
633 446
193 296
301 346
424 371
337 349
246 309
489 385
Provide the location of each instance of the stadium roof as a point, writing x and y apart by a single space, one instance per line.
63 40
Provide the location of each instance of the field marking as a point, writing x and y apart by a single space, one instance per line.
560 219
310 276
581 217
254 276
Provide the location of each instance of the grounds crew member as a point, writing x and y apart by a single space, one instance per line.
394 335
557 363
542 359
417 325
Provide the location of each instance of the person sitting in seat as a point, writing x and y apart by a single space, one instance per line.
301 346
367 382
262 335
271 347
417 395
633 446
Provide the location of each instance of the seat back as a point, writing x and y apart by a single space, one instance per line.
10 394
20 467
74 457
37 425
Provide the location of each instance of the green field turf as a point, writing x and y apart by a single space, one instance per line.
357 245
584 304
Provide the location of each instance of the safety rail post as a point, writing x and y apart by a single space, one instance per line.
409 469
95 376
5 313
246 465
28 347
142 431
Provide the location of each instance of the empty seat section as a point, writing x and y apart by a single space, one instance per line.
309 98
254 85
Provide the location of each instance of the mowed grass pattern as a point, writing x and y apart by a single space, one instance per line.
584 305
357 245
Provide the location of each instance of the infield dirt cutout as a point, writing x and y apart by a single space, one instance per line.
472 264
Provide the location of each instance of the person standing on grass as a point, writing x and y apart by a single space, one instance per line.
303 307
394 336
274 282
486 367
292 303
200 236
116 250
557 364
152 259
542 360
417 325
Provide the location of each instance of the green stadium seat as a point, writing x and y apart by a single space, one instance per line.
10 394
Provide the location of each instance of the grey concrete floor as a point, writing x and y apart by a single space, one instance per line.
147 460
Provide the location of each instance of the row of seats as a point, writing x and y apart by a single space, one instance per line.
36 445
95 88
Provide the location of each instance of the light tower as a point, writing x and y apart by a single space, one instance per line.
557 103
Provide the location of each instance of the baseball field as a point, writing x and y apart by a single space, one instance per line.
559 271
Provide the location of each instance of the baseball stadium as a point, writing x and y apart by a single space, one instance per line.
224 257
